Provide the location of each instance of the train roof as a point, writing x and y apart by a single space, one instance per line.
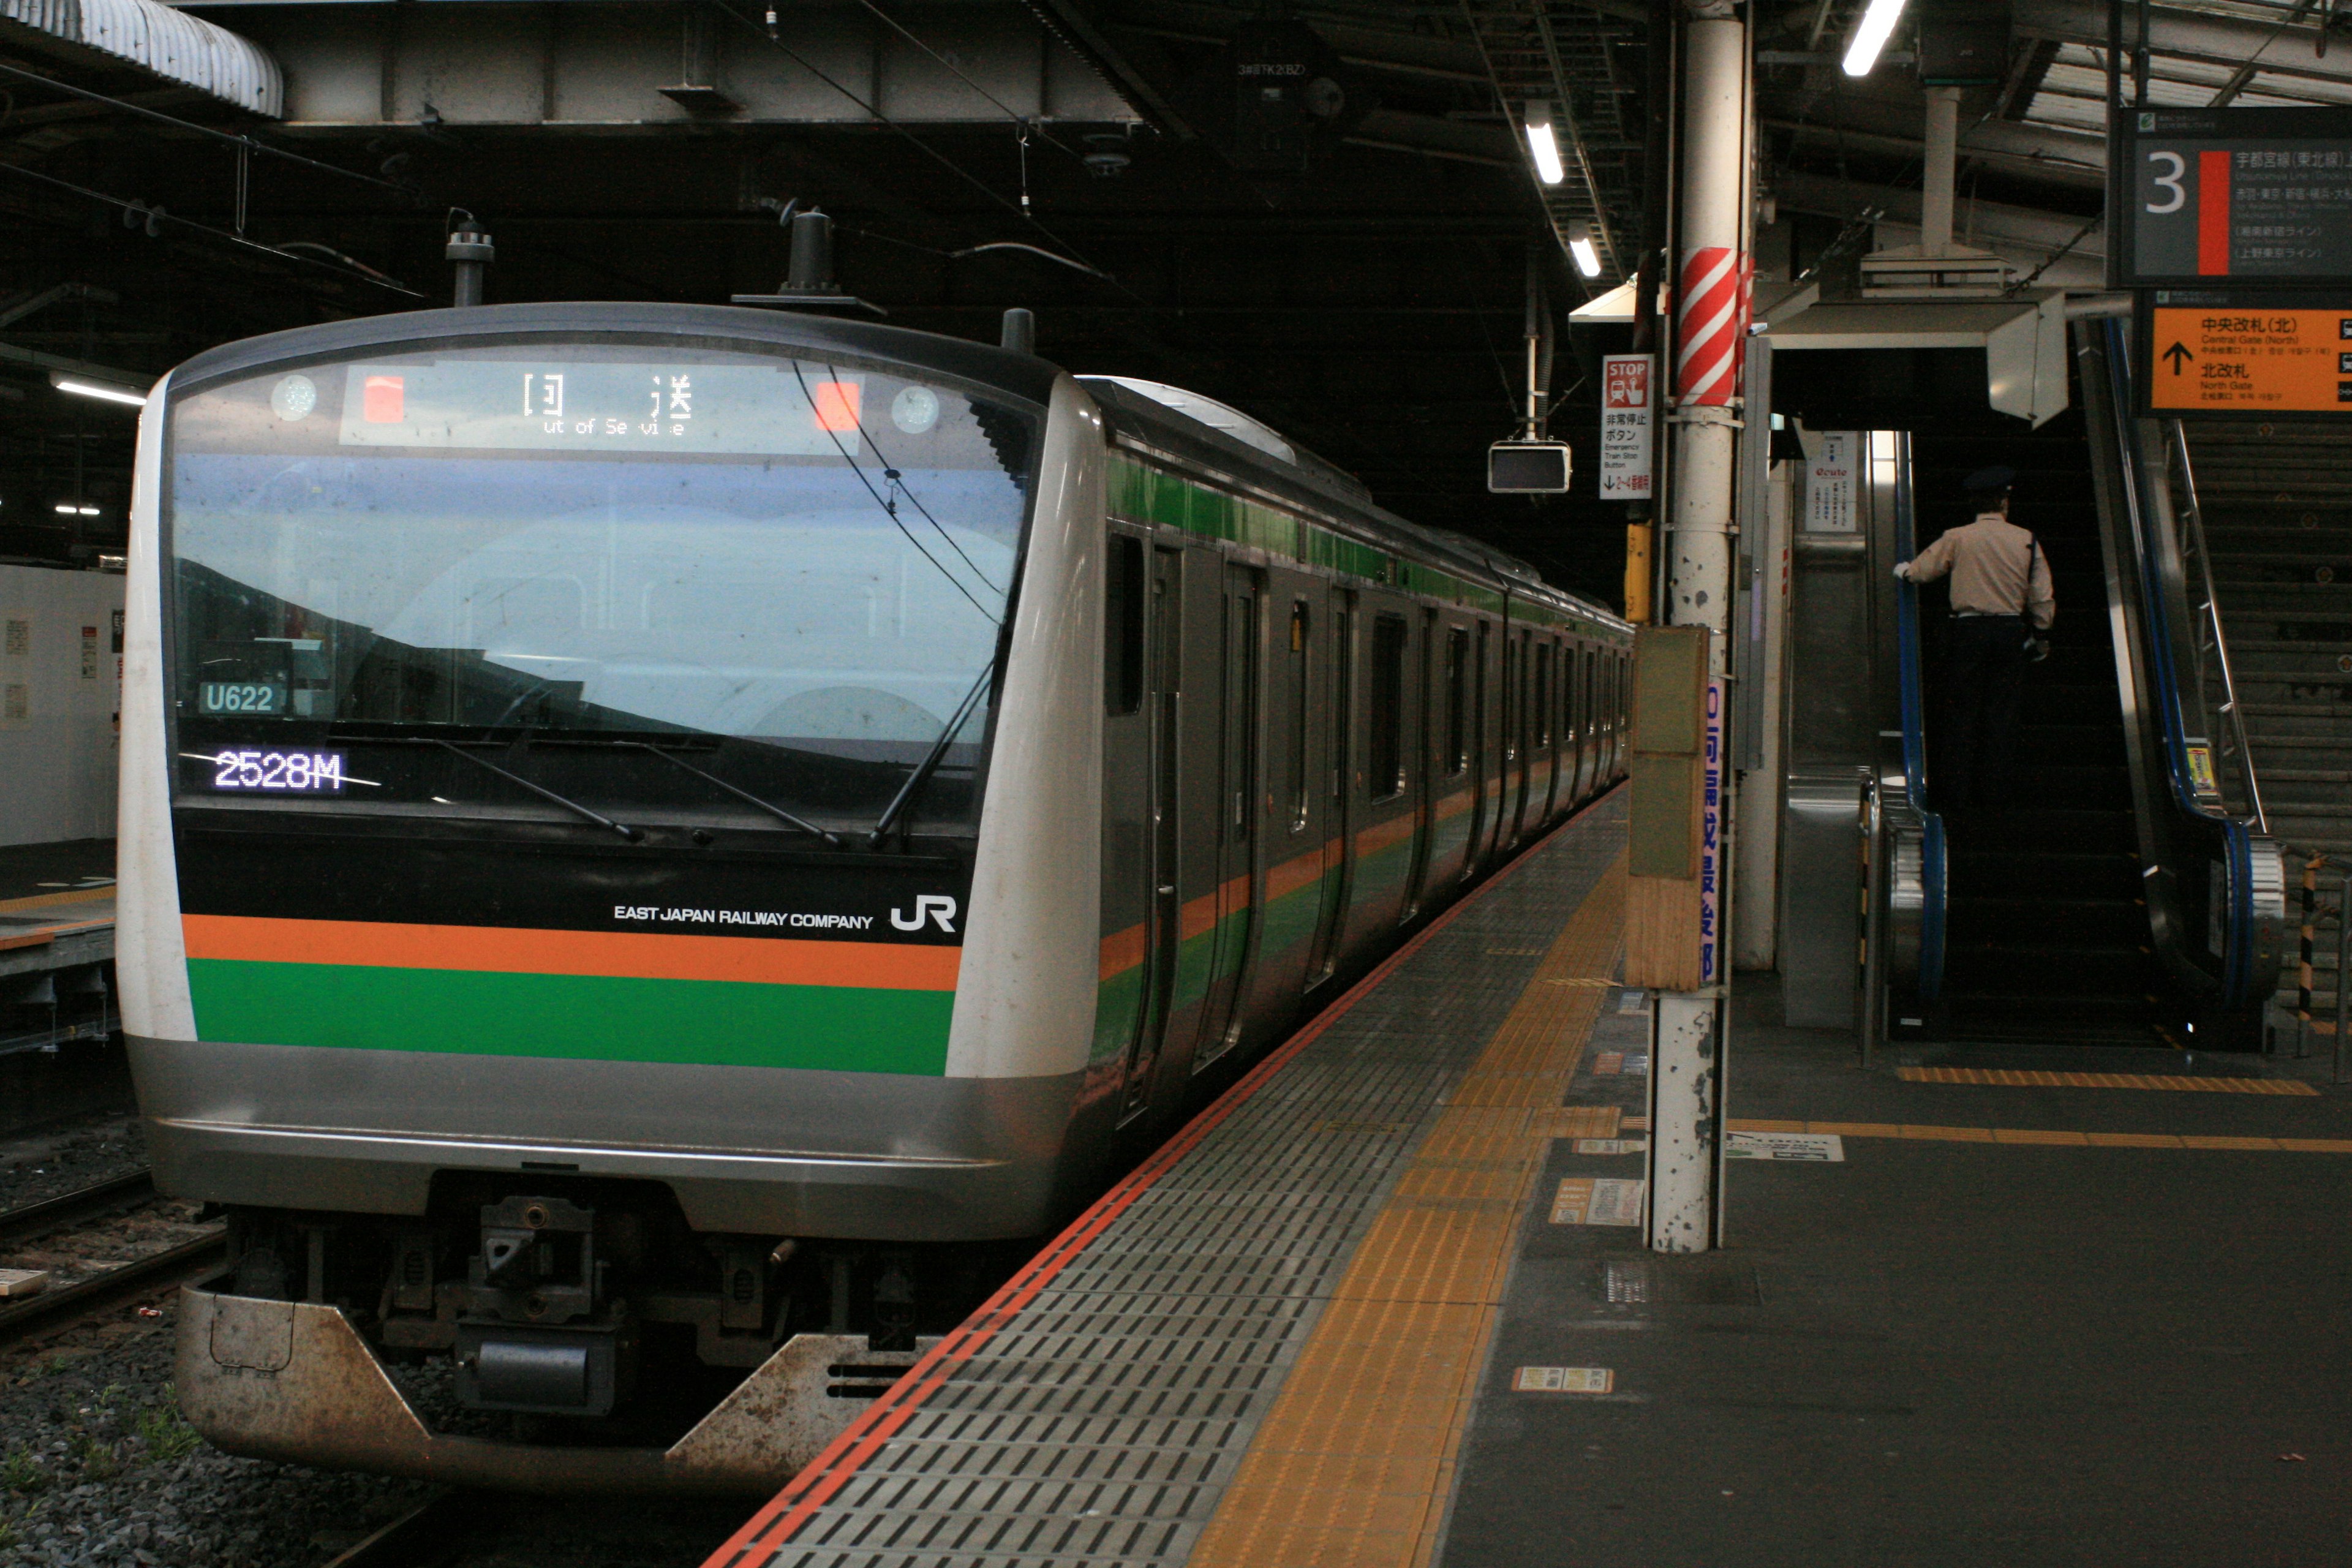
1185 424
1023 376
1188 426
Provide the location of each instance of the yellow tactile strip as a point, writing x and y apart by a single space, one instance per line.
2008 1078
1355 1462
2060 1136
51 900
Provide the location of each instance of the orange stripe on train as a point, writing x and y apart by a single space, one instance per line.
638 955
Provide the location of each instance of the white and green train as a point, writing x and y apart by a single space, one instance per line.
661 844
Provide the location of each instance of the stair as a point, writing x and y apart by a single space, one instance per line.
2047 935
2277 504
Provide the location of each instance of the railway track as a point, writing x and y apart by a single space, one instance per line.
60 1307
426 1536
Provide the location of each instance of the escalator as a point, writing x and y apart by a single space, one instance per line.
2046 930
2112 899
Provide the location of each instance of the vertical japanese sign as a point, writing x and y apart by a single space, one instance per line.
1831 475
1627 404
1710 840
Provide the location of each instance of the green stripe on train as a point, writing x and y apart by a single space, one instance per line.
587 1017
1154 495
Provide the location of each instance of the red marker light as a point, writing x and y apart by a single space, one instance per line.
836 405
383 399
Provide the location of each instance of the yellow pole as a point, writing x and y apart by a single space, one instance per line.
1637 572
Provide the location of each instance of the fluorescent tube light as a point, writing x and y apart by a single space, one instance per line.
1543 144
99 389
1870 36
1581 246
66 509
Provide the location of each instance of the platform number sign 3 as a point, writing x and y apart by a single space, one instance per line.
2240 194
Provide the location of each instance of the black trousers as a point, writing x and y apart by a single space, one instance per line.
1984 675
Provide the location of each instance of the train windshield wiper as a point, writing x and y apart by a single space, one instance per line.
930 763
770 807
573 806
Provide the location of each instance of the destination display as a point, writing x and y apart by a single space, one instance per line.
2209 351
251 769
2246 194
756 410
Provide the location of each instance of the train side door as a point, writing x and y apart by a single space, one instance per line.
1482 767
1335 699
1516 760
1586 721
1164 701
1421 765
1237 808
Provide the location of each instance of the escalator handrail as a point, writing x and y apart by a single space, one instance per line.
2238 948
1930 979
2172 719
2194 516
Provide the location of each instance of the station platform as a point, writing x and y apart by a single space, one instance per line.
57 941
1386 1304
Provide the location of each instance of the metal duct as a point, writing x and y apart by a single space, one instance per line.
156 39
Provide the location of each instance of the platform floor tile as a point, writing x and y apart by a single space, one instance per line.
1316 1251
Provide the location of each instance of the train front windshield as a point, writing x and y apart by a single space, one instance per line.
790 575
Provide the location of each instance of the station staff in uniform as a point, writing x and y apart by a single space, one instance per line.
2001 603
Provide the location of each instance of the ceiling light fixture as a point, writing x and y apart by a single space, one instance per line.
1870 36
1543 144
65 508
81 387
1581 246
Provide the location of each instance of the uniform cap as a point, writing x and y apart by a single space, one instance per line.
1990 483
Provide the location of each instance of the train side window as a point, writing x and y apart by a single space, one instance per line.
1543 695
1457 700
1387 694
1343 693
1302 711
1123 585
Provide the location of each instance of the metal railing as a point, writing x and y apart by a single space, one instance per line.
2314 912
2210 638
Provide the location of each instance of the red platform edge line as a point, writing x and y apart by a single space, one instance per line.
776 1524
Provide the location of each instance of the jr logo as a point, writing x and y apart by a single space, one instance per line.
928 907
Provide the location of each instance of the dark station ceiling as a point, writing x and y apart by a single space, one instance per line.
1348 262
1362 289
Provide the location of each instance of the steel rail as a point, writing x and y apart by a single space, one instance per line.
88 1203
426 1535
61 1308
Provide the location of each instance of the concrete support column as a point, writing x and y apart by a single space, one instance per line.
1710 339
1940 171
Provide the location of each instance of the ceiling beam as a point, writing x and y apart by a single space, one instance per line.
1993 224
2074 158
2230 41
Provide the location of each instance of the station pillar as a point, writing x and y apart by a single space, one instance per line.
1711 311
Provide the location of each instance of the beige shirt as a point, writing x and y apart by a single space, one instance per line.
1988 560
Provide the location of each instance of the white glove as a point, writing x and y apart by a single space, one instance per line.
1903 571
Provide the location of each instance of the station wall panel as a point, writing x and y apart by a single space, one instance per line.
60 696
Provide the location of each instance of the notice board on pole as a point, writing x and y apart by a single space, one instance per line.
2230 196
2250 354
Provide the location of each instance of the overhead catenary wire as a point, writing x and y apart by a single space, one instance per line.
247 142
1024 121
914 141
155 215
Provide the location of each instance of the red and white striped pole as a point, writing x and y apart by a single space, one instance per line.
1711 307
1711 297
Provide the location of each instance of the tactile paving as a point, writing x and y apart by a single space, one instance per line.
1096 1416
